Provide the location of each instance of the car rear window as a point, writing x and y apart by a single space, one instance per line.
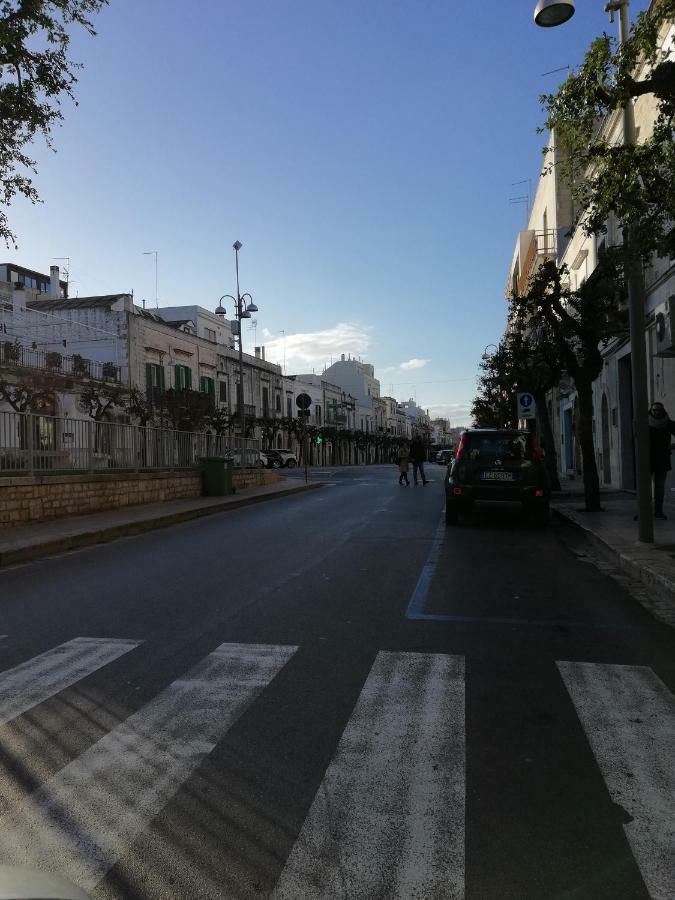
499 446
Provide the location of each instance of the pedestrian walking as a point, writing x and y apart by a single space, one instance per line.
661 431
418 455
404 463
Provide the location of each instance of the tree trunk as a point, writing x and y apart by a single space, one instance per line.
590 469
548 441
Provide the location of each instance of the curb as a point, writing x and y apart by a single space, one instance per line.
128 529
636 568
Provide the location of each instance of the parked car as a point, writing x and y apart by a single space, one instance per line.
497 464
251 457
281 458
445 457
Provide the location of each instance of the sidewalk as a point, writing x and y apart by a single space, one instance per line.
26 542
615 530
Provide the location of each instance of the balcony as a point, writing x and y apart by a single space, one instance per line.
15 356
538 246
249 411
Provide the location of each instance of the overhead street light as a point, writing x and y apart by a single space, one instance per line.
549 13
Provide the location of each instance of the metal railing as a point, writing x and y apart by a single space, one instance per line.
32 443
15 355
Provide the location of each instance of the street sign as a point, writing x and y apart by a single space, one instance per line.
304 401
304 412
526 406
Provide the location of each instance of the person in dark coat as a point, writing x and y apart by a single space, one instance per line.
418 455
404 463
661 431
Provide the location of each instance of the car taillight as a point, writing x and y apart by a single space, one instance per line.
539 493
457 491
459 450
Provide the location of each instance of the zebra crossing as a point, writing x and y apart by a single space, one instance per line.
387 820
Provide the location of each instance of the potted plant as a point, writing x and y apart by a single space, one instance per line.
12 352
53 359
80 365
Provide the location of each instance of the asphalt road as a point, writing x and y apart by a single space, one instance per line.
334 695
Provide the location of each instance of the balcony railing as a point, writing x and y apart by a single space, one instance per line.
249 410
542 246
15 355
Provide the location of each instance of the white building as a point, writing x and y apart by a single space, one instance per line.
357 379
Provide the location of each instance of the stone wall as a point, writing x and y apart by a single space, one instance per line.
25 500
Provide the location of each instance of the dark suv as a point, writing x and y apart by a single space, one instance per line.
495 464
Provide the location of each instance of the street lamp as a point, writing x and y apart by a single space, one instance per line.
242 310
549 13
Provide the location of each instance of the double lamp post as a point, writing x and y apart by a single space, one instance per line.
549 13
242 310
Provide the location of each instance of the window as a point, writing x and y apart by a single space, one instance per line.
210 334
289 407
207 385
222 391
265 402
499 446
182 378
317 414
277 403
154 381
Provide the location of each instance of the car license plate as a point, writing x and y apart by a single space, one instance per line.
497 476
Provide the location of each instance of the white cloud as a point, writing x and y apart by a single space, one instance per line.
414 363
314 349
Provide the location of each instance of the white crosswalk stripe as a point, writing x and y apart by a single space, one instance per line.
40 678
388 818
81 821
628 715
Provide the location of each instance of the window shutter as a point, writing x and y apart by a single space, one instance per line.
160 377
188 377
177 378
148 375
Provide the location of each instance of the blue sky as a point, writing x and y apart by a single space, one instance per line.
363 152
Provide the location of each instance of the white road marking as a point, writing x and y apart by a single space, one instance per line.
388 818
43 676
87 816
628 715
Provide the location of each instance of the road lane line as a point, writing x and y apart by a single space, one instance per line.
81 821
628 715
43 676
418 600
388 818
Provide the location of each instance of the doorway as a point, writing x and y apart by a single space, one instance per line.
606 460
626 440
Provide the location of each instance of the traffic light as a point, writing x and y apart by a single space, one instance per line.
319 440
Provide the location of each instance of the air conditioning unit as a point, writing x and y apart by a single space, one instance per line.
665 328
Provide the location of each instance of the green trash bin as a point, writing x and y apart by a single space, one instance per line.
216 476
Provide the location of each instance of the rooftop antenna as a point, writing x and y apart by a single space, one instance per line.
66 271
526 202
155 253
553 71
284 346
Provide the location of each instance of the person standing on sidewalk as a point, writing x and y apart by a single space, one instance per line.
418 455
403 463
661 430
